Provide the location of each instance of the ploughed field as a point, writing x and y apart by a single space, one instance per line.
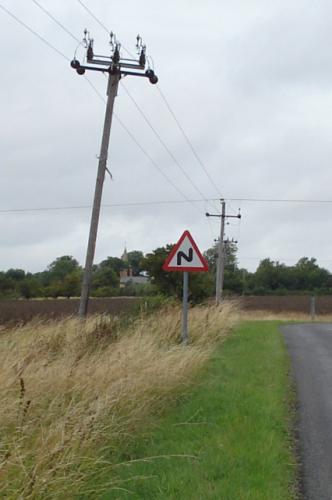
24 310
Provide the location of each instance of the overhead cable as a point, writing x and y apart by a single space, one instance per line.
187 139
54 19
22 23
104 205
151 203
162 142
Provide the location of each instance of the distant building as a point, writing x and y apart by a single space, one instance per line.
126 275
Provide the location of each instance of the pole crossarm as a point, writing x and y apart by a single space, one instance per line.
225 216
114 63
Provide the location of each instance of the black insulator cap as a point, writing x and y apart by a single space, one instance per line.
153 79
80 70
75 64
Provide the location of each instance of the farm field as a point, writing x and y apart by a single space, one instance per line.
281 304
297 307
25 310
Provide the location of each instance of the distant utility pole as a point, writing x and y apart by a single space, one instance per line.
116 67
221 252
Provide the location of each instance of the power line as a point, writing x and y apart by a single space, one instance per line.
279 200
151 203
104 205
190 144
54 19
162 142
94 17
22 23
149 157
154 163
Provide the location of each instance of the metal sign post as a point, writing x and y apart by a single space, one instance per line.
186 257
184 335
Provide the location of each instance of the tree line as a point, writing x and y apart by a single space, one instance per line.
62 278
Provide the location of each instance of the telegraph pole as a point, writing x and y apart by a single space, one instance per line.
116 67
221 250
221 255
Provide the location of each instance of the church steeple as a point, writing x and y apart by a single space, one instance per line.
124 256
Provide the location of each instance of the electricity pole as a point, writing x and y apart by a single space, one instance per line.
221 251
116 67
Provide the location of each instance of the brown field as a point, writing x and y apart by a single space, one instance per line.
289 307
286 304
25 310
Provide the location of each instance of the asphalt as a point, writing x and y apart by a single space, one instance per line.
310 348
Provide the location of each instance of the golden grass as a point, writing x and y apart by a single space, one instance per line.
69 388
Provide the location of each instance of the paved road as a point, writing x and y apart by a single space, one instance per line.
310 348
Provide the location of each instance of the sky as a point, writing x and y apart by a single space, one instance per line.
248 82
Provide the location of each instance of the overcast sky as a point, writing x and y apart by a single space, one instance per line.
250 83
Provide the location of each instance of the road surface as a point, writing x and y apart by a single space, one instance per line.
310 348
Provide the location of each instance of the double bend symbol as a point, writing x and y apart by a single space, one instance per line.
182 255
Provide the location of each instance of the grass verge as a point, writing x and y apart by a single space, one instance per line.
231 439
73 394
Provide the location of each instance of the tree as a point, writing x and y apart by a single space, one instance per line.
62 266
211 255
106 274
269 275
62 277
308 275
7 286
233 277
114 263
135 258
29 287
71 285
15 274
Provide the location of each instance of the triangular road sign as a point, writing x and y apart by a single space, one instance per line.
185 256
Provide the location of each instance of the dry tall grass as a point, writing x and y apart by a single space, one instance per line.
69 388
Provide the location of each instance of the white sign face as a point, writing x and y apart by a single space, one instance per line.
185 256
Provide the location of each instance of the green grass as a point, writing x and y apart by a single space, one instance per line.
230 438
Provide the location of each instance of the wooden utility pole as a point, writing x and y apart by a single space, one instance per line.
220 271
115 66
113 82
221 255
